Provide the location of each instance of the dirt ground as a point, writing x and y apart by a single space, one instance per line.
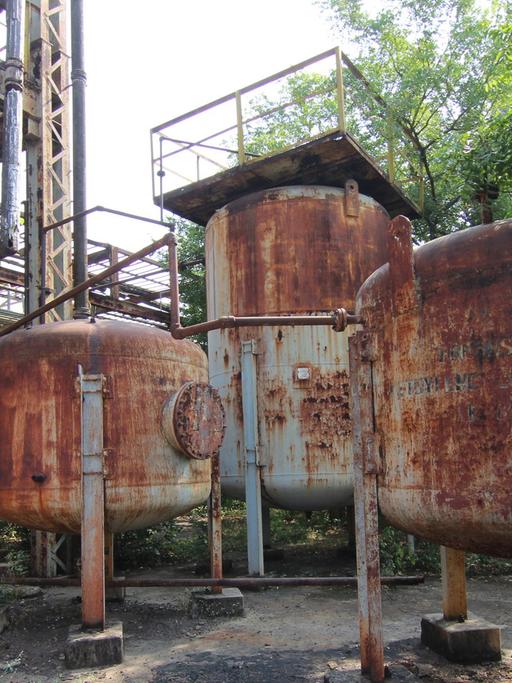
287 635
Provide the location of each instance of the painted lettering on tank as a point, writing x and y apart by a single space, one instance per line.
466 381
478 349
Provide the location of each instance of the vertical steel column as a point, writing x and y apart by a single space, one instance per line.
366 468
79 78
453 575
215 524
93 502
13 128
48 157
252 470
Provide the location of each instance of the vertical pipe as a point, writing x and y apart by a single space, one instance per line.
252 470
93 503
79 78
174 289
13 128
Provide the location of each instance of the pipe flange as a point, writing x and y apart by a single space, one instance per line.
340 320
193 420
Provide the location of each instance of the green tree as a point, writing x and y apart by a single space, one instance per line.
441 65
192 274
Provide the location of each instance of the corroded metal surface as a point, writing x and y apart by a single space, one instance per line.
441 319
146 480
193 420
291 250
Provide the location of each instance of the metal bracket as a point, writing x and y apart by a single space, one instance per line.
372 461
352 203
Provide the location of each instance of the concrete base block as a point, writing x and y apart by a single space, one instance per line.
229 603
469 642
94 648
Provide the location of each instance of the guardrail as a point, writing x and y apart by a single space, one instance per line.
321 96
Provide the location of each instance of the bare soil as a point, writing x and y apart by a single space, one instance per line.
287 634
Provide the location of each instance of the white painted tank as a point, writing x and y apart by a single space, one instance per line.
294 250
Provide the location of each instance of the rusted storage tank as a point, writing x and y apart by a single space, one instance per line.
440 325
156 438
291 250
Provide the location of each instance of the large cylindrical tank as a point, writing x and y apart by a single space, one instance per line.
440 324
155 467
291 250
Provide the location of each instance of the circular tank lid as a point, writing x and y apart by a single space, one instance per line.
193 420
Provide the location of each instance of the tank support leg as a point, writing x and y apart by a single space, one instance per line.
215 524
366 469
93 503
453 575
265 521
252 468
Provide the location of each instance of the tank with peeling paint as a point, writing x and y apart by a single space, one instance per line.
440 324
291 250
156 462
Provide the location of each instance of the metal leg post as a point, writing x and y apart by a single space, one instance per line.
252 470
366 468
453 574
215 524
265 521
93 503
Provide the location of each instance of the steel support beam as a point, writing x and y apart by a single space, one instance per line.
252 468
366 469
215 524
93 502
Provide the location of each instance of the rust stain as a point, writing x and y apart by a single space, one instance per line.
294 250
147 481
442 379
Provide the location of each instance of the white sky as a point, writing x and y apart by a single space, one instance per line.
147 62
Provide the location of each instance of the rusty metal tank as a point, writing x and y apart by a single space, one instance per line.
157 441
439 321
290 250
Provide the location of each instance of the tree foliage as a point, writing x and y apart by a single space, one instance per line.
192 271
444 68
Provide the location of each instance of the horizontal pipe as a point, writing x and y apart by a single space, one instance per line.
162 242
257 321
241 582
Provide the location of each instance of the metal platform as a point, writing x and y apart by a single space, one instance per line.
330 160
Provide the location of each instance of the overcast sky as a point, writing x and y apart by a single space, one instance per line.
147 62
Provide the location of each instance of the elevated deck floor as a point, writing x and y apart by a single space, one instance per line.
330 160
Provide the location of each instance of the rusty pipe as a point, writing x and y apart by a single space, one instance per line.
94 280
338 320
174 289
241 582
13 128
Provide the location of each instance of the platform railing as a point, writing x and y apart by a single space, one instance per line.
326 95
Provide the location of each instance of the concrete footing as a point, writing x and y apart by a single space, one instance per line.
468 642
93 648
229 603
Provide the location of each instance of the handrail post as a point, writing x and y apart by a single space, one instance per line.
391 154
340 90
240 128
